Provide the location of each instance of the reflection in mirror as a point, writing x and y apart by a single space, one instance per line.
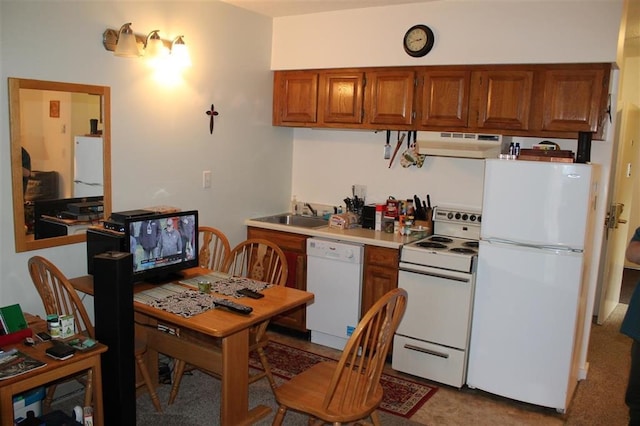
60 157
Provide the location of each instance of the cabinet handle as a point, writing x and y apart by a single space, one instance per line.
426 351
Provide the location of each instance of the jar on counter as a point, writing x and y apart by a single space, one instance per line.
408 224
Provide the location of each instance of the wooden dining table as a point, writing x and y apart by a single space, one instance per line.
228 358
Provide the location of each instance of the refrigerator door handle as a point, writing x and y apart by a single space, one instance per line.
533 246
88 183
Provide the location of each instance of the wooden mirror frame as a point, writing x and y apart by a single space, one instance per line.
15 84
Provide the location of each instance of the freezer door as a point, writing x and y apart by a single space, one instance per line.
524 324
537 202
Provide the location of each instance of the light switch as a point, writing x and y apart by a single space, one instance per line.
206 179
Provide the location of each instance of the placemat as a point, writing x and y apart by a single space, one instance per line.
226 285
186 304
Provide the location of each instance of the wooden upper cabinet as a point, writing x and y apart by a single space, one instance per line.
573 99
390 97
536 100
444 98
341 98
295 98
503 99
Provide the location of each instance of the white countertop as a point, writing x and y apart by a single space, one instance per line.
354 235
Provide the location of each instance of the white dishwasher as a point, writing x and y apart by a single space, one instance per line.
334 276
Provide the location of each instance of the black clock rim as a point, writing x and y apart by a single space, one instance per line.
427 48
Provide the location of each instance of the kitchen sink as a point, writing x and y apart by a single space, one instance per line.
294 220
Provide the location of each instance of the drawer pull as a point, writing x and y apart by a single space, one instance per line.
426 351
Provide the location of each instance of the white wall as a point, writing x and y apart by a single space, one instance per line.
160 134
466 32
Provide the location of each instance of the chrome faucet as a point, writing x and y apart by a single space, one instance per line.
311 209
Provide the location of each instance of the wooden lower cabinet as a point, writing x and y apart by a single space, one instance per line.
294 247
380 274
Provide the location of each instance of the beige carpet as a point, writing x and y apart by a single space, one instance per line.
599 400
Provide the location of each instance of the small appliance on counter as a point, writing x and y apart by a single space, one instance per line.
369 216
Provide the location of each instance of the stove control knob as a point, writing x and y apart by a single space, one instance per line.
458 216
465 216
472 218
450 216
479 218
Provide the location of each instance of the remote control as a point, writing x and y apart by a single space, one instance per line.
250 293
233 306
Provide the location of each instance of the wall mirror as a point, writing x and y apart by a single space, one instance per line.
62 133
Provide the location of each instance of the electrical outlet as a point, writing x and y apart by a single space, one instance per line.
206 179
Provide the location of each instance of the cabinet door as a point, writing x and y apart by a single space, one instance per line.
390 98
573 100
295 97
503 99
444 98
341 97
294 247
380 274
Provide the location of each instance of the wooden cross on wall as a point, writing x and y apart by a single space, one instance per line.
211 113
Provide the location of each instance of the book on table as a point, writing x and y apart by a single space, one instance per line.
12 318
13 363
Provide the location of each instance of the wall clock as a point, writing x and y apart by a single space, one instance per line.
418 40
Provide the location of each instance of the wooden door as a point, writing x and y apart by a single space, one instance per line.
341 97
444 98
380 274
622 189
294 247
295 97
390 98
503 99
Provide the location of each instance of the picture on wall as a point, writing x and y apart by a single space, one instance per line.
54 109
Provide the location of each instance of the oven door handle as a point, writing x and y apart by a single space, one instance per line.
426 351
463 278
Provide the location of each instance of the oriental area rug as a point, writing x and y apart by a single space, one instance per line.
402 397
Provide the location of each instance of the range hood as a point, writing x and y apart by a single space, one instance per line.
463 145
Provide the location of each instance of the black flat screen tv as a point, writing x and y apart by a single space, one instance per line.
162 245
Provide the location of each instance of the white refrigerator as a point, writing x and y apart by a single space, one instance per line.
531 287
88 171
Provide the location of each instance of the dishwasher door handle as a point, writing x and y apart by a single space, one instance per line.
426 351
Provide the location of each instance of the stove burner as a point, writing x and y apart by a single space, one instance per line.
471 244
463 250
441 240
429 244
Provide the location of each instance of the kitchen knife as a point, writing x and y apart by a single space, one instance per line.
419 214
428 201
387 146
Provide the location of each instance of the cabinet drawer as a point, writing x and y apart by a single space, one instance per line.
381 256
433 362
